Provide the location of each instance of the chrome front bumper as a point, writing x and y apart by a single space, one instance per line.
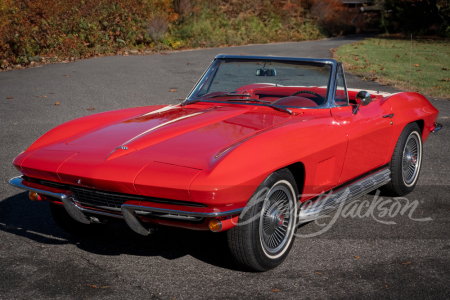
129 212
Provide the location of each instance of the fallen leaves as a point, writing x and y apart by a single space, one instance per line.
406 263
96 286
275 290
66 76
381 68
44 96
319 273
357 257
445 79
416 65
10 98
436 87
396 55
56 103
92 108
363 79
173 90
445 69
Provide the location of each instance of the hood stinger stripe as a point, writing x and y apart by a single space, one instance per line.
165 108
159 126
152 129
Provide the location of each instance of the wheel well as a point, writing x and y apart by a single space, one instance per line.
298 170
421 124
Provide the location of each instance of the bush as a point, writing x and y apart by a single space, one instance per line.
417 17
333 16
58 29
236 22
75 27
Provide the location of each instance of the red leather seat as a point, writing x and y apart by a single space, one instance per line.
296 101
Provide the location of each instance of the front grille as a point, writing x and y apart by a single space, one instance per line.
100 199
109 200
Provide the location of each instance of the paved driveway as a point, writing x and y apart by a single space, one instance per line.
356 258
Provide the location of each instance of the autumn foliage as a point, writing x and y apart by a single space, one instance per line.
59 29
75 27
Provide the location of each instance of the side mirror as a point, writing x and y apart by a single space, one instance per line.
266 72
364 99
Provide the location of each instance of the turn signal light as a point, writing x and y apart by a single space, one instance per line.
215 225
34 196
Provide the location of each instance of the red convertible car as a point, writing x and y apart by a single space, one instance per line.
252 151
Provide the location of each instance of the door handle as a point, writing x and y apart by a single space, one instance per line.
388 116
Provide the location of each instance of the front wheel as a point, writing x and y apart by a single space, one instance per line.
406 162
264 234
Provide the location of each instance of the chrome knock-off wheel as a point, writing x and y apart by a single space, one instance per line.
405 162
411 159
277 220
264 234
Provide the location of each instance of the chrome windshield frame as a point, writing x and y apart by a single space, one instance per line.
331 82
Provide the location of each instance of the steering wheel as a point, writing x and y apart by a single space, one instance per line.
312 93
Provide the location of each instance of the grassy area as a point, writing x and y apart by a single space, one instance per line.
388 61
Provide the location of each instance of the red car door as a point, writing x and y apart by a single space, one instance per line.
369 131
369 137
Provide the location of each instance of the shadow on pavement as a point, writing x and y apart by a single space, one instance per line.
32 220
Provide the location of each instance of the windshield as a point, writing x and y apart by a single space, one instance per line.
281 83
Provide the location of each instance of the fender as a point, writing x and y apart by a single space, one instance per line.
70 129
409 107
310 139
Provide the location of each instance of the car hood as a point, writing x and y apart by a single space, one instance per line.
189 136
174 132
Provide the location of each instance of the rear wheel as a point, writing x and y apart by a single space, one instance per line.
406 162
69 225
264 234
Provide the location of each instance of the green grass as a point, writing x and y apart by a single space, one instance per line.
388 61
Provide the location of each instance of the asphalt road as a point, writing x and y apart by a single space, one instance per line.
358 257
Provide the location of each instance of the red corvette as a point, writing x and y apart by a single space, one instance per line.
251 151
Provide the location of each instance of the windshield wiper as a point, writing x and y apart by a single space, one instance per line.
265 103
189 102
229 94
215 96
249 100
